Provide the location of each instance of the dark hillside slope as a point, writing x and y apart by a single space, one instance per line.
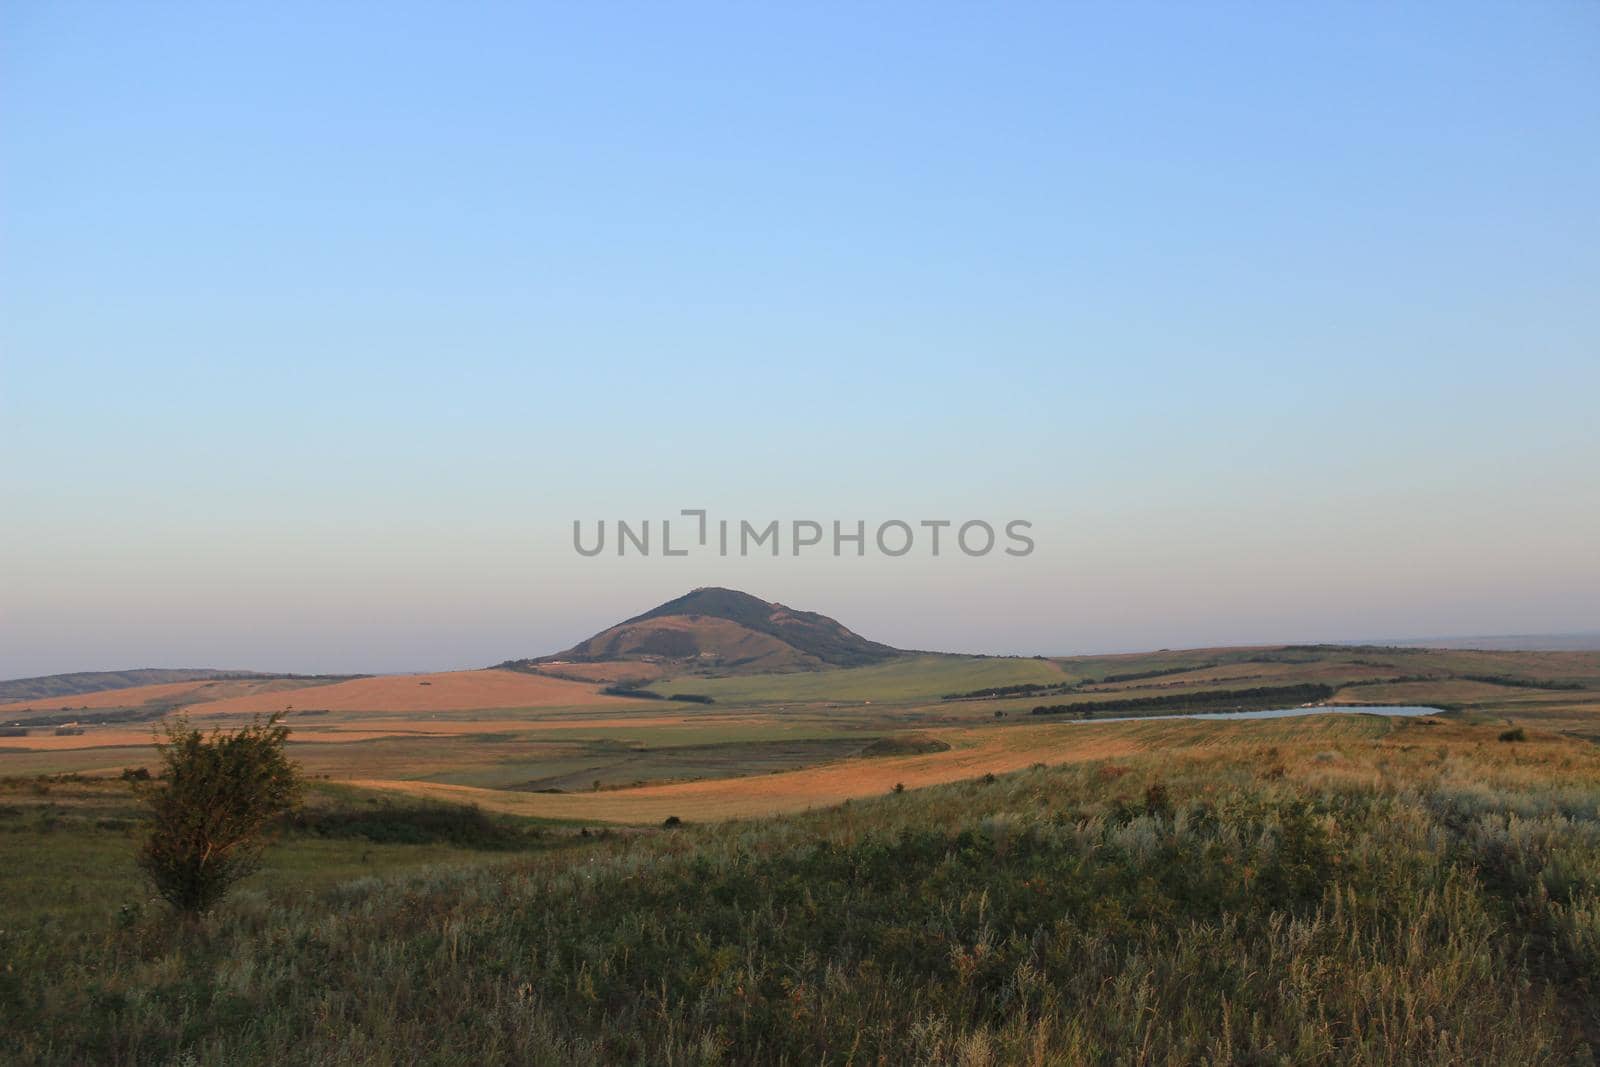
808 631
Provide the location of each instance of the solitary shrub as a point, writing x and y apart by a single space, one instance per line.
216 797
899 787
672 821
1516 733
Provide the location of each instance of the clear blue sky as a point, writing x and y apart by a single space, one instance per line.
319 324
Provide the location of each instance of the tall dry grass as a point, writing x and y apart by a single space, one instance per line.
1426 897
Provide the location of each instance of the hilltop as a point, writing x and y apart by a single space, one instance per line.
725 630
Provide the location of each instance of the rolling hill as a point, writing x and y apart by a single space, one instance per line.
62 685
726 631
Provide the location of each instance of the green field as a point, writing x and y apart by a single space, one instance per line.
905 680
615 764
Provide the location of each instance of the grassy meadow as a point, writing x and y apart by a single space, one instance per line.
914 880
1418 893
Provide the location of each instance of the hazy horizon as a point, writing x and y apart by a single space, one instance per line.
319 329
1528 641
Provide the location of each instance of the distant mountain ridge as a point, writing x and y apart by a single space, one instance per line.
1580 641
726 629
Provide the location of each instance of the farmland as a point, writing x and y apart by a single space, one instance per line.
866 864
535 744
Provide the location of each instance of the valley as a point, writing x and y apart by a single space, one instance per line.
830 837
559 737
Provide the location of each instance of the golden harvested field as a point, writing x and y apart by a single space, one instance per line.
158 695
375 727
450 691
44 740
164 692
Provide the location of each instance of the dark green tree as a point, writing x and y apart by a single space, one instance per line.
215 799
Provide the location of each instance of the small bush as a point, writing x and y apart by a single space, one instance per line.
1516 733
217 796
672 821
899 787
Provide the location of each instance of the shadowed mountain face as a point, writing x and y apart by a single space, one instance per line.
729 630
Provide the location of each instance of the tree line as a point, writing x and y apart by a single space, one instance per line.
1258 699
651 694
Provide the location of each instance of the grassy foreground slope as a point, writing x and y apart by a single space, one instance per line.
1430 894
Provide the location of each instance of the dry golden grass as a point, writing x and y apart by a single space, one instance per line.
165 692
450 691
460 727
43 740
